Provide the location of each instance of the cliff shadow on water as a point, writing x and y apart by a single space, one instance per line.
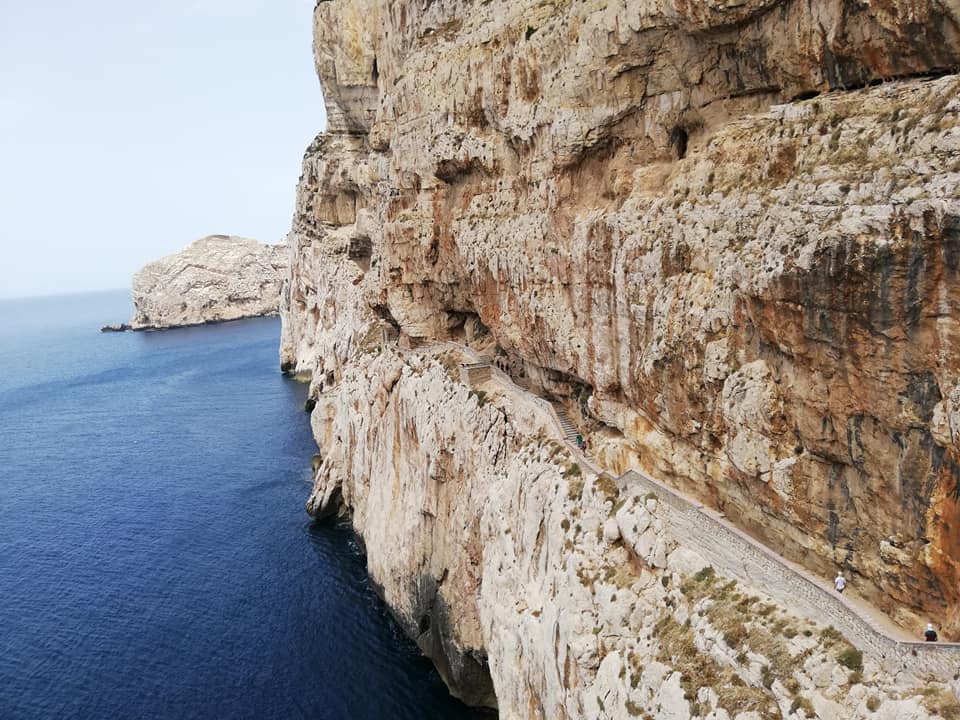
342 549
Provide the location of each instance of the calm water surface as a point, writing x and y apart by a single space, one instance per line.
155 558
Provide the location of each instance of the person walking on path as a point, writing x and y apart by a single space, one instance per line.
839 582
930 635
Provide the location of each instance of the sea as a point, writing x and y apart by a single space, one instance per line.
156 560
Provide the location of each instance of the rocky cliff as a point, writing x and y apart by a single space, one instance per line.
727 236
552 592
213 279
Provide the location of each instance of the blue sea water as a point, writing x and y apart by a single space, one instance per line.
155 557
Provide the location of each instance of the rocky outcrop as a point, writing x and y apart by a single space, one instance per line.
115 327
719 233
555 593
213 279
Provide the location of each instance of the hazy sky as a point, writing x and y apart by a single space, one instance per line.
130 128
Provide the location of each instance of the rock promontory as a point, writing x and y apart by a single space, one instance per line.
214 279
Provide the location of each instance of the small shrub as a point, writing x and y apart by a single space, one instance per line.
608 486
855 678
851 658
678 648
706 574
766 677
449 363
941 702
830 635
873 702
804 705
698 585
735 636
736 697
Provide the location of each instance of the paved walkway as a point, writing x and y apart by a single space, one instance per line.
879 633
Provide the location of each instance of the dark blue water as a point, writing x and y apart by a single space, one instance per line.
155 558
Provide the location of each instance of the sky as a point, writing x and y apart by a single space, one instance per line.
128 129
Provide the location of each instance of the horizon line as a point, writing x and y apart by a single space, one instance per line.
68 293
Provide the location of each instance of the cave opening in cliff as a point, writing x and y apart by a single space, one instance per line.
678 141
360 251
383 312
465 326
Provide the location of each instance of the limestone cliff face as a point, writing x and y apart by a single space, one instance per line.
760 304
554 593
215 278
698 224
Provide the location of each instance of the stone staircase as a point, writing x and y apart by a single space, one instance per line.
566 424
474 374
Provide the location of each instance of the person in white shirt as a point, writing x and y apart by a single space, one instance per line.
839 582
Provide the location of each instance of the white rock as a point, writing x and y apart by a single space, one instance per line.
670 700
213 279
611 531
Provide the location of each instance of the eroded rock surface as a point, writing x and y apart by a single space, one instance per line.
213 279
555 593
699 225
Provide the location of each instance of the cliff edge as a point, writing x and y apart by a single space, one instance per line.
213 279
725 237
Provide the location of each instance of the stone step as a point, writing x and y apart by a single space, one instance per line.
567 425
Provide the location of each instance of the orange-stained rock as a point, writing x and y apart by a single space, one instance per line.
753 295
